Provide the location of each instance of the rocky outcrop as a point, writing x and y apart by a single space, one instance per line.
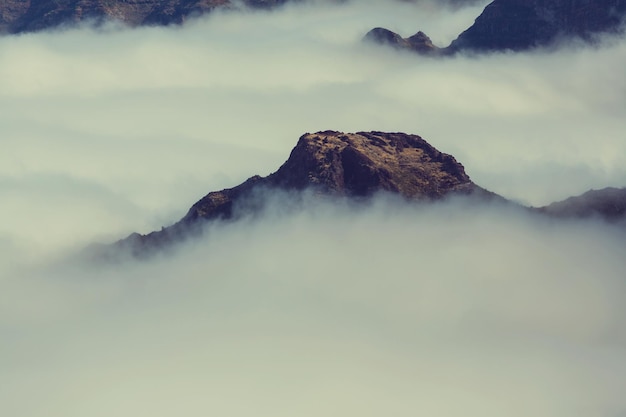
607 204
519 25
419 42
18 16
360 164
329 164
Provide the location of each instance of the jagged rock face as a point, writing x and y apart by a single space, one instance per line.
359 164
524 24
31 15
608 203
354 165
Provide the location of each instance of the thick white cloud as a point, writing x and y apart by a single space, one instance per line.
449 309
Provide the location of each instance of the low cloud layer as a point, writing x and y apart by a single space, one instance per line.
450 310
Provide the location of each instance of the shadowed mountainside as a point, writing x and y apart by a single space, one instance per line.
520 25
18 16
328 164
608 204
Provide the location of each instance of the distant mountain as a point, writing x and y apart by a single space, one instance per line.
419 42
519 25
607 203
18 16
329 164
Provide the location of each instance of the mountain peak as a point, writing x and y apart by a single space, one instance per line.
359 164
330 163
352 165
419 42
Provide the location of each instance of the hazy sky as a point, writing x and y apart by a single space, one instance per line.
448 310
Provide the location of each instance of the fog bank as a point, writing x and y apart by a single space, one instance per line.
451 309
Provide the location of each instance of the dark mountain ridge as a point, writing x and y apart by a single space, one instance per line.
524 24
17 16
519 25
607 204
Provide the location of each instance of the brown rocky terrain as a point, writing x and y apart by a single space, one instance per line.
519 25
329 164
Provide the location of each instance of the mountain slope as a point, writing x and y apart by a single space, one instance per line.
356 166
607 203
333 164
524 24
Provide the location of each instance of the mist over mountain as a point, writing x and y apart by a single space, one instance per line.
358 166
519 25
324 307
330 165
608 203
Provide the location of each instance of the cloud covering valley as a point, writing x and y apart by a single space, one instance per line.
450 309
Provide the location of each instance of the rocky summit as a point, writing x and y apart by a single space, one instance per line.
329 163
419 42
519 25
